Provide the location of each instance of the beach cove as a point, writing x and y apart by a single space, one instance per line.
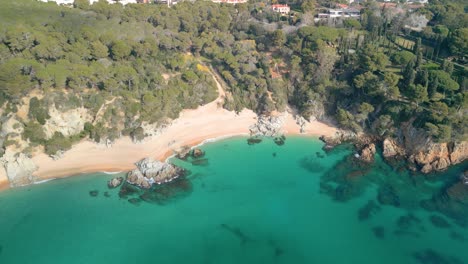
246 203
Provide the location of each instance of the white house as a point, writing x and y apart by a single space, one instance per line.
283 9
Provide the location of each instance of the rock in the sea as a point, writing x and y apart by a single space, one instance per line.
115 182
183 153
93 193
367 153
137 178
392 149
197 153
151 171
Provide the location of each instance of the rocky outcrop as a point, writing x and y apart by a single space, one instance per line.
439 156
270 126
115 182
19 168
183 153
197 153
68 123
367 153
338 138
150 171
391 148
459 152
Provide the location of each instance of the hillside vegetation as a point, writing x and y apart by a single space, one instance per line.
143 64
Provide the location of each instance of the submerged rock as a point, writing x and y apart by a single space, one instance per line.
93 193
253 140
127 190
439 221
368 210
134 201
430 256
200 162
115 182
379 232
162 194
387 195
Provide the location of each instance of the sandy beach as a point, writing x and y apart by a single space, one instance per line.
194 126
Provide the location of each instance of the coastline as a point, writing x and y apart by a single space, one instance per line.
191 129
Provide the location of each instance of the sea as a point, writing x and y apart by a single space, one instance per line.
283 201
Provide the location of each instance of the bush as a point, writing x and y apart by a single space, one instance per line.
34 132
58 142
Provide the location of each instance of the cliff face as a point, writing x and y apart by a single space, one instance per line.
68 123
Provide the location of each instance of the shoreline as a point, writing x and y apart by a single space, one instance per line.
193 127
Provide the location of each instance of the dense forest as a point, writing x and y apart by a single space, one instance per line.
148 62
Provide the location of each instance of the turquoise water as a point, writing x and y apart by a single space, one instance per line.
244 204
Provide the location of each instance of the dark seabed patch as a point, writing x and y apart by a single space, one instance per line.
107 194
134 201
379 232
439 221
387 195
94 193
165 193
237 232
457 236
128 190
277 250
430 256
311 165
409 225
368 210
200 162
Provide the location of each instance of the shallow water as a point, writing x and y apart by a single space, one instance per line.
244 204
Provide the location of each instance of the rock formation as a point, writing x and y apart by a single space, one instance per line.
439 156
391 149
151 171
68 123
270 126
197 153
367 153
338 138
19 168
115 182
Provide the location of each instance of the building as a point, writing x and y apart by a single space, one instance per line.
282 9
167 2
339 13
230 1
